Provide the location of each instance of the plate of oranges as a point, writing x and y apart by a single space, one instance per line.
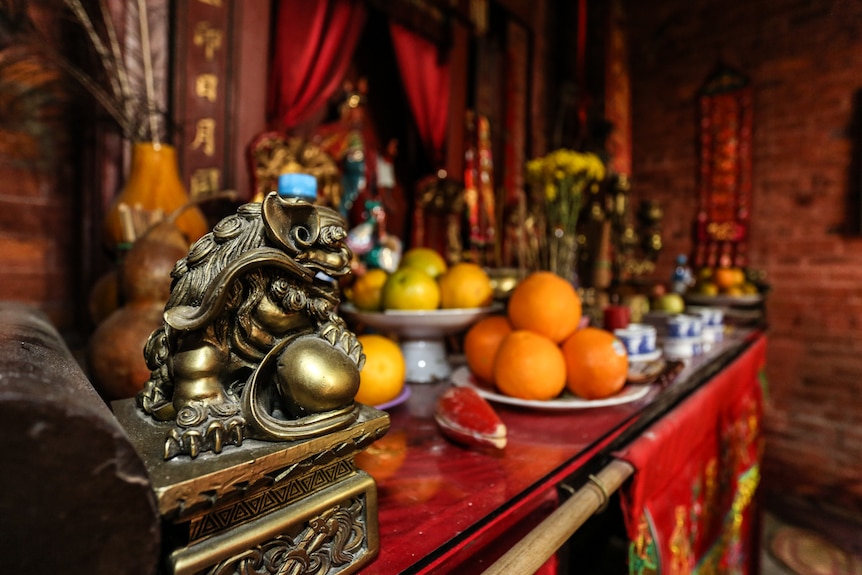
541 354
462 377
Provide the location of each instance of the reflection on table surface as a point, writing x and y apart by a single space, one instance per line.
436 497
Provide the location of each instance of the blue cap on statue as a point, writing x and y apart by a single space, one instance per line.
299 186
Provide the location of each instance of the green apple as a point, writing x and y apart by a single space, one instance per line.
669 302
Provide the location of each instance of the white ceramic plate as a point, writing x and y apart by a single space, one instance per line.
419 324
462 377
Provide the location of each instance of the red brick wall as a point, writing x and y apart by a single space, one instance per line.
39 215
37 242
805 63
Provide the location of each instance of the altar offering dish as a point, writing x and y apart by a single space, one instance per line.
566 401
421 335
724 300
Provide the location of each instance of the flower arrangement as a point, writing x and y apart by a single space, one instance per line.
560 181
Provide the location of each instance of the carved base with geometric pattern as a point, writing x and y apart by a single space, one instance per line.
297 507
327 533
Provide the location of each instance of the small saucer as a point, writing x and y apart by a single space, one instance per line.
643 357
646 371
402 397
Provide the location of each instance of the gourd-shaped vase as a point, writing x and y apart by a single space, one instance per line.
153 187
116 361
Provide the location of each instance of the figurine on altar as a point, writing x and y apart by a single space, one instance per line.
252 345
479 190
372 245
372 202
348 141
386 188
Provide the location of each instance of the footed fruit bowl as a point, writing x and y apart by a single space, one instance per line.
421 335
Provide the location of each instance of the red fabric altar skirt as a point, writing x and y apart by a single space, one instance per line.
688 508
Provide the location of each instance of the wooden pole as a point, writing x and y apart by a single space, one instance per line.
531 552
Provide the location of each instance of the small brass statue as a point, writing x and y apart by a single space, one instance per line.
252 345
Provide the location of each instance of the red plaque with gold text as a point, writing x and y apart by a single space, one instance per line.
721 236
203 42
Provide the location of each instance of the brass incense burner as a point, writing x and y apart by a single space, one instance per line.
248 424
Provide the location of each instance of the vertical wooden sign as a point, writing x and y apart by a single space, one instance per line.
618 91
203 63
514 196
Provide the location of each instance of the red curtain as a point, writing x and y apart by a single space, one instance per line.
313 47
426 80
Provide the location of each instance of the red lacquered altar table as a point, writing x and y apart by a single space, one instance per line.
447 509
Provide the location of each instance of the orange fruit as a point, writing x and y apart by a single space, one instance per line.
425 259
481 343
366 293
382 376
465 285
546 304
597 364
529 366
410 289
727 278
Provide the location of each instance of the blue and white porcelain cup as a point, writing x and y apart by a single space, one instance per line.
679 326
638 338
695 328
632 339
711 316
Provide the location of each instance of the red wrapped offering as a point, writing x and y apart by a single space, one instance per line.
466 418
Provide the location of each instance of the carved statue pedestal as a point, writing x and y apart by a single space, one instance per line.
297 507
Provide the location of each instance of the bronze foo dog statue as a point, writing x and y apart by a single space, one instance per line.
252 345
